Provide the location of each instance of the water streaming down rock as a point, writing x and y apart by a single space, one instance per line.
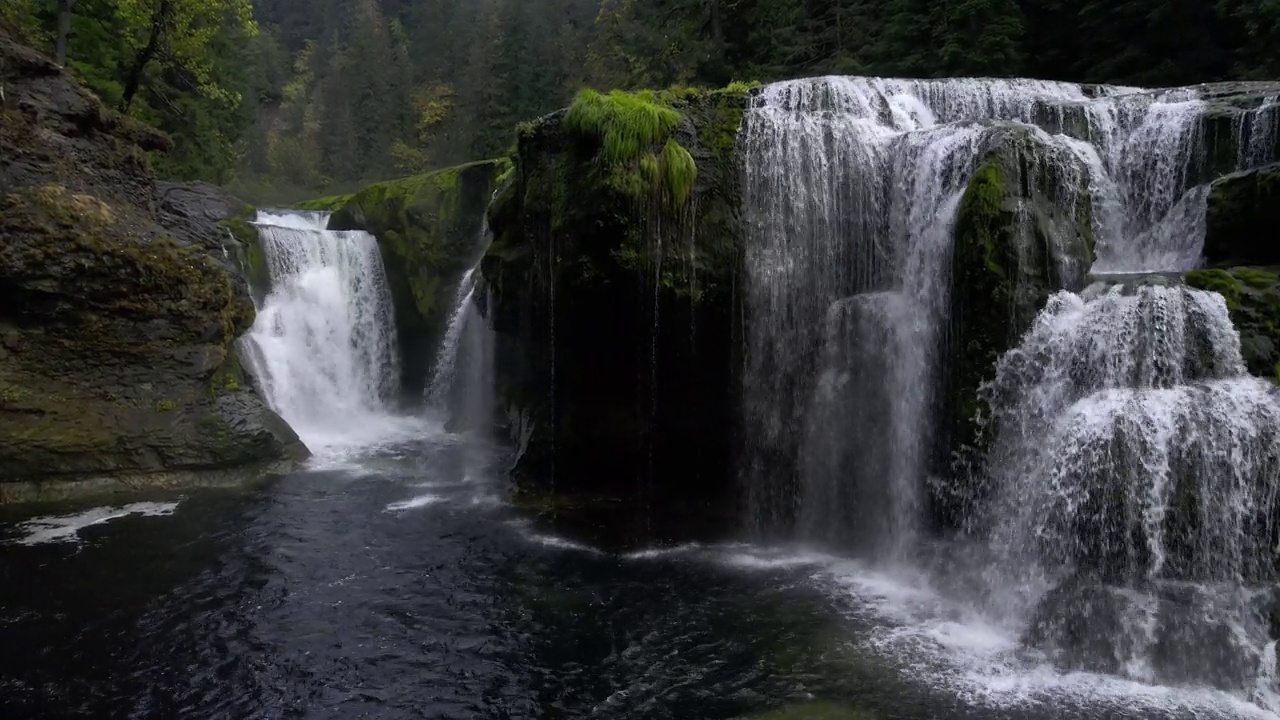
442 374
323 346
850 187
1135 507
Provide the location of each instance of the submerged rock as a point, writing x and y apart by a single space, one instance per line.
613 295
1167 633
117 331
429 232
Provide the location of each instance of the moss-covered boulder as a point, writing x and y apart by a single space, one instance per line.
612 274
1022 232
1243 221
1253 299
118 318
429 231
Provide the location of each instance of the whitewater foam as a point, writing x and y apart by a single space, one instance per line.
66 528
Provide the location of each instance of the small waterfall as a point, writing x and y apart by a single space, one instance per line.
323 346
447 358
462 384
1134 468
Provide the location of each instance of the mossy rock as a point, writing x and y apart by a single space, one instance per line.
1252 295
117 306
1243 220
429 232
616 257
1022 232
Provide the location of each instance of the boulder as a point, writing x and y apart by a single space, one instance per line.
118 314
429 230
1022 232
613 281
1253 299
1243 218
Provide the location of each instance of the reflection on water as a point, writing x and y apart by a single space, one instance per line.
400 584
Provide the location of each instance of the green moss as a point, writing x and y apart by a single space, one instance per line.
980 209
166 406
1257 278
1216 280
625 123
628 128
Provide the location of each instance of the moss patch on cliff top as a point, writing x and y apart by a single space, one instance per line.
1252 295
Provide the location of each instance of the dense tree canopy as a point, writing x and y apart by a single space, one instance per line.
299 96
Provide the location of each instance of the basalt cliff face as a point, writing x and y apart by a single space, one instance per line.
119 306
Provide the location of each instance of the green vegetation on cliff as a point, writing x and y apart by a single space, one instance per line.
629 127
636 283
1252 295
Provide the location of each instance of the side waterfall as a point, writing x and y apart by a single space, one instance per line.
323 346
1132 467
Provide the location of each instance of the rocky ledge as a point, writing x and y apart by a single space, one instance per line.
119 308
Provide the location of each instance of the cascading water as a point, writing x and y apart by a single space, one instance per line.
1134 466
447 358
323 346
850 185
1131 500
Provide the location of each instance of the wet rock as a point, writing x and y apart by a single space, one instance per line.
1168 633
1022 232
1243 221
118 330
616 313
1252 295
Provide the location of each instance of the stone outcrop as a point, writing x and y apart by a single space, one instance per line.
1022 232
1242 226
429 230
612 280
1253 299
118 308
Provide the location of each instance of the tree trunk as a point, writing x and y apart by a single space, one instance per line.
64 30
133 80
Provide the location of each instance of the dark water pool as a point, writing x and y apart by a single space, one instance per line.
403 584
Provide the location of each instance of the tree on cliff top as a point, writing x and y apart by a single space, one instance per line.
179 33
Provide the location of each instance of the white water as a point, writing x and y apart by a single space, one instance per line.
1112 412
66 528
323 346
447 357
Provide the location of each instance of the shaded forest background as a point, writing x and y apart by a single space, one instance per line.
286 99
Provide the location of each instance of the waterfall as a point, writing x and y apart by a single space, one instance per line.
850 187
323 346
1134 468
447 358
462 384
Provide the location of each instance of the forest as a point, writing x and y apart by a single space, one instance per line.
285 99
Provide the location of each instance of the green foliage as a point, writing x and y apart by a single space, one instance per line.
166 406
679 171
1216 280
628 127
625 123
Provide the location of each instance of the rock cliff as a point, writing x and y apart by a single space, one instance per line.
118 307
